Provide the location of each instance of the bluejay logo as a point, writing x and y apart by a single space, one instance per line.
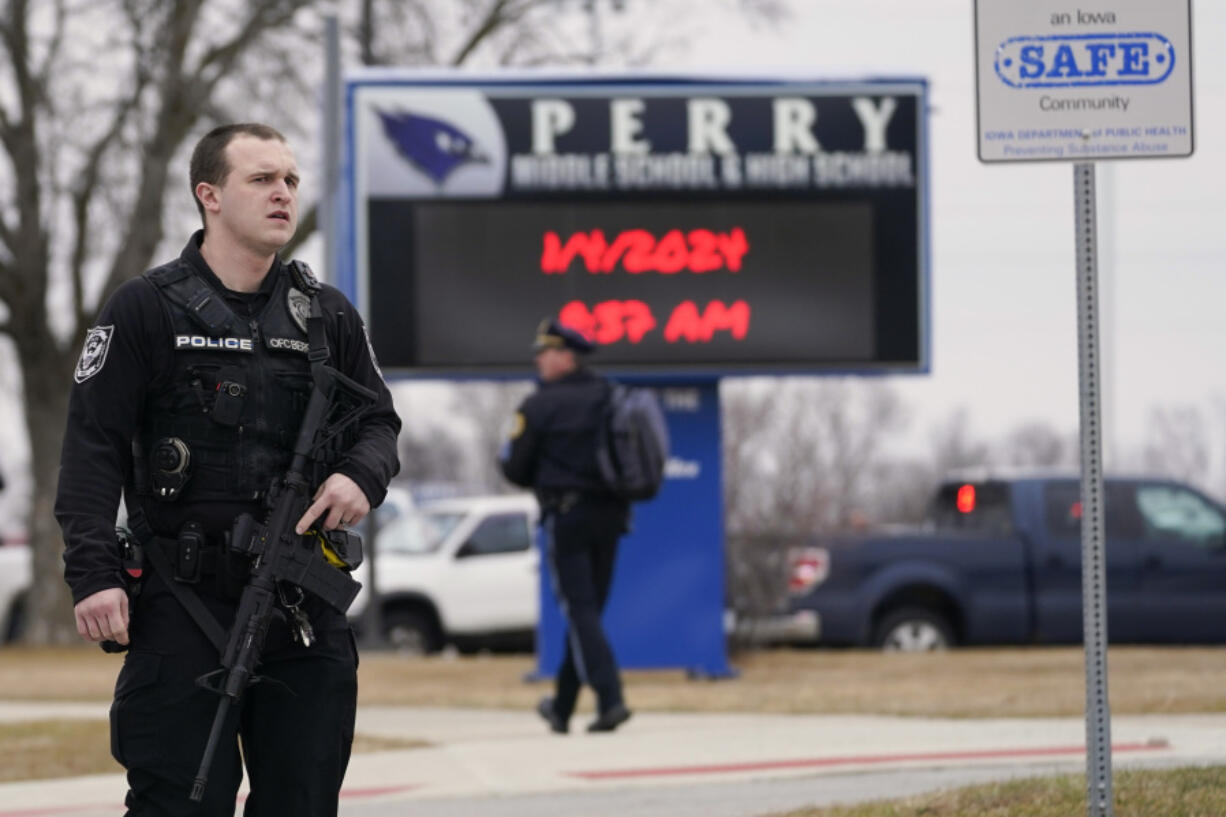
433 146
1062 61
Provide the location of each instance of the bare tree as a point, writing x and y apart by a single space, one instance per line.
755 549
433 454
801 456
488 409
903 490
746 420
800 453
1037 444
1177 443
86 154
99 100
1218 409
953 446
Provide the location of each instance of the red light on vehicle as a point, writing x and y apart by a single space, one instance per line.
1074 511
808 568
966 498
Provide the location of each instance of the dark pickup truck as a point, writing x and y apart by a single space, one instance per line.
999 562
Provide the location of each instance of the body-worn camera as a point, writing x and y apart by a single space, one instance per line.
228 401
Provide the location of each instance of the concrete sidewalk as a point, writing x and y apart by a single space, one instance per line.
498 753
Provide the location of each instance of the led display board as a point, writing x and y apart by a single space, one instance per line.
690 225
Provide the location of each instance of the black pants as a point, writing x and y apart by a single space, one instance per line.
296 726
582 550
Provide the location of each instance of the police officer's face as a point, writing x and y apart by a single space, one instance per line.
257 204
554 363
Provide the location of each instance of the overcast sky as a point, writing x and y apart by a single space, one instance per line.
1004 337
1003 315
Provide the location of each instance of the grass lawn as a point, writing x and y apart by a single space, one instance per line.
961 683
958 684
1191 792
39 750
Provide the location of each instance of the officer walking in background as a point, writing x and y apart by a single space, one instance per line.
189 396
552 449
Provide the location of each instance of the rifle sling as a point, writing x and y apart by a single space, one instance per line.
186 597
317 337
318 355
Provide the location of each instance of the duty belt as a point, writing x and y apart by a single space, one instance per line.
558 502
159 550
191 561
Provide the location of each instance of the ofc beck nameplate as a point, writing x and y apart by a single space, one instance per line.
690 226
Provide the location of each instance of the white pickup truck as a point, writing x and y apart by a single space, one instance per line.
14 580
460 571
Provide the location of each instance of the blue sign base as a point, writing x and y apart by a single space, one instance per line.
666 606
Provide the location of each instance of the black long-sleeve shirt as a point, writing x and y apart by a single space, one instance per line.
552 447
107 408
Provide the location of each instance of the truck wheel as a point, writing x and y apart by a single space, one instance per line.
913 629
17 622
410 632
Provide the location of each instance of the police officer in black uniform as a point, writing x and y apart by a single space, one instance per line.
189 395
552 449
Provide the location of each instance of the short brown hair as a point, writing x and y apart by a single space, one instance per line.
209 156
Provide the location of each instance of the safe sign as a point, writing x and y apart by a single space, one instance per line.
1061 61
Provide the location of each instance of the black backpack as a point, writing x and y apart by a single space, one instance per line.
632 442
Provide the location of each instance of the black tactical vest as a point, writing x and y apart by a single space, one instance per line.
237 394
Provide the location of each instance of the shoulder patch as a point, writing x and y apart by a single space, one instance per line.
517 426
299 305
93 353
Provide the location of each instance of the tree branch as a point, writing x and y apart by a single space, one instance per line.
184 94
500 14
6 233
8 288
174 118
53 48
82 197
265 16
28 243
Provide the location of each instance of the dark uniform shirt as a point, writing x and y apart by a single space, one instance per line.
108 406
552 446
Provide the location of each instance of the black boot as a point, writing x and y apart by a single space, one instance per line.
556 723
610 719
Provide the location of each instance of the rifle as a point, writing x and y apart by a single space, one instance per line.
282 557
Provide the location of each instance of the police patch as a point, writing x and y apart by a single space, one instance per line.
299 307
517 426
93 353
213 344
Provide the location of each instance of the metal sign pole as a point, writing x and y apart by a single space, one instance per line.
332 145
329 220
1099 799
